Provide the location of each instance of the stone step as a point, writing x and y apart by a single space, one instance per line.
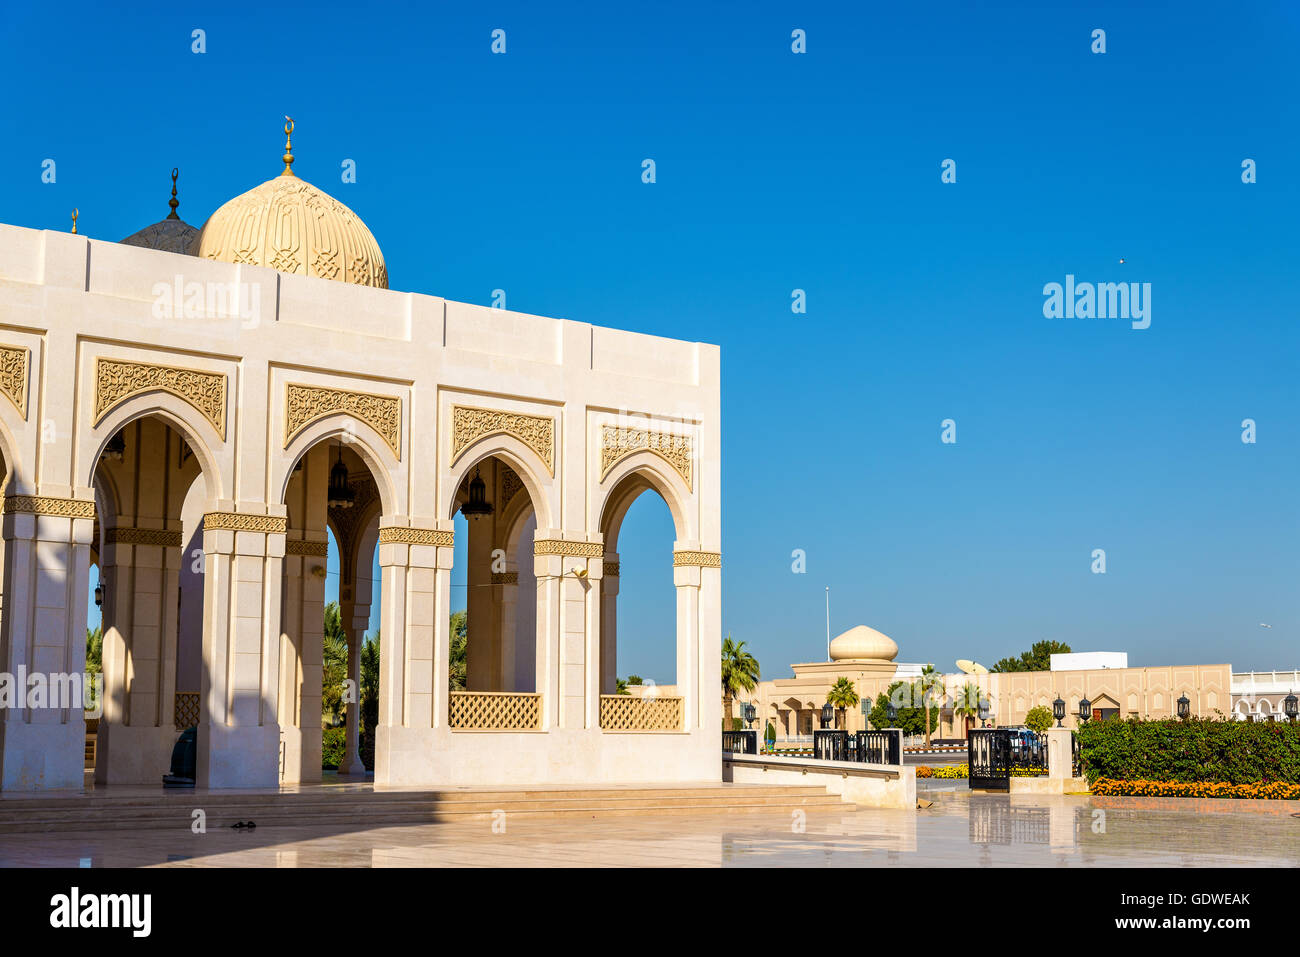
362 810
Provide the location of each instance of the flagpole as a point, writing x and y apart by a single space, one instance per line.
828 622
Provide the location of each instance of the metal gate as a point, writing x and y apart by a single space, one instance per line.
988 756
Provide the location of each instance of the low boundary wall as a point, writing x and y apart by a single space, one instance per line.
867 785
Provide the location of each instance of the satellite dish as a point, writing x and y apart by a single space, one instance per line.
979 669
966 666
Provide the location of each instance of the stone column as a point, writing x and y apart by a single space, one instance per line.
351 762
609 624
239 734
505 593
43 632
1060 753
303 658
568 573
698 577
141 581
415 564
483 654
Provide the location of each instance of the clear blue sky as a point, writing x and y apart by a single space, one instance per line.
818 171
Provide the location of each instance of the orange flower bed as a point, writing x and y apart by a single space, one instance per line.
1263 790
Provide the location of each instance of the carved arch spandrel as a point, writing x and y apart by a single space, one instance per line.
119 379
304 404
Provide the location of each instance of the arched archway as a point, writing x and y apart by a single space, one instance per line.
151 491
336 487
671 602
495 514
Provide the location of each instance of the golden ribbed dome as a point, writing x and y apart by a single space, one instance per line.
290 225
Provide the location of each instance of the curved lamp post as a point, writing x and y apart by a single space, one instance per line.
1184 707
1058 711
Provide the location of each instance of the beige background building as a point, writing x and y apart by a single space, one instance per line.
866 657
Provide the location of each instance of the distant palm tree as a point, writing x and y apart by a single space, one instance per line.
739 673
967 704
930 679
620 686
843 695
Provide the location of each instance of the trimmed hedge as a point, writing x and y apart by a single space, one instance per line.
1191 751
331 747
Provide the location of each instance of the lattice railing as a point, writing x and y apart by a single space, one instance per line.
185 712
495 710
621 712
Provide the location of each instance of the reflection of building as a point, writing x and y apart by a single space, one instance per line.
866 658
198 411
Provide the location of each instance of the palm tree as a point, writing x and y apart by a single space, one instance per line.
457 672
843 695
967 704
620 686
930 679
739 673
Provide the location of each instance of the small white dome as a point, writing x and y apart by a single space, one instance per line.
863 642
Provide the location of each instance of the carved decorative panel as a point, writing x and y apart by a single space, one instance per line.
117 379
616 443
555 546
505 578
610 569
14 362
48 505
241 522
468 425
511 483
305 404
295 546
703 559
130 535
396 535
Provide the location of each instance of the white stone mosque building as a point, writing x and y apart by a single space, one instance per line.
191 409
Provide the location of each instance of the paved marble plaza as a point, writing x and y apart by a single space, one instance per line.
960 829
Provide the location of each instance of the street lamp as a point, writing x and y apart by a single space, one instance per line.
1085 710
984 711
828 713
1291 705
1184 707
749 712
1058 711
892 711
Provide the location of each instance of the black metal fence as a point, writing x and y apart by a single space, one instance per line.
988 759
831 745
877 747
1028 751
740 742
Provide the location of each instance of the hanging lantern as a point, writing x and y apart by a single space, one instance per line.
99 596
340 493
478 505
116 448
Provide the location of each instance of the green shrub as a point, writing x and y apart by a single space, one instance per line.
1198 749
331 748
1038 719
769 734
